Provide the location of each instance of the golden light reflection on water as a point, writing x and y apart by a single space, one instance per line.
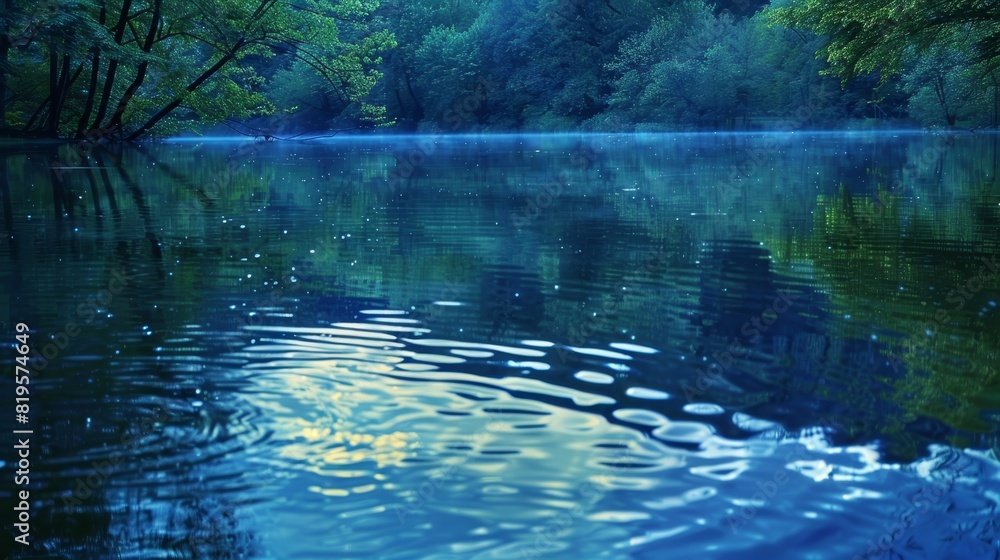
362 416
344 443
405 450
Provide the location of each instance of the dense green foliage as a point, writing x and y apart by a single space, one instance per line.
125 68
122 67
947 51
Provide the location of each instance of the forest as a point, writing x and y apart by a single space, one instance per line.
124 70
493 279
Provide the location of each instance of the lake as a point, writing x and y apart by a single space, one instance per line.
488 347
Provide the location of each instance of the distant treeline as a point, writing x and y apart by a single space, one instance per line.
124 69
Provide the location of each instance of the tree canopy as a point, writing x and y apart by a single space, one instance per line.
865 36
124 69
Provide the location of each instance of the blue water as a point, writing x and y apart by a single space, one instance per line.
566 346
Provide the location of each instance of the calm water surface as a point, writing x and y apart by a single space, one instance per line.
566 347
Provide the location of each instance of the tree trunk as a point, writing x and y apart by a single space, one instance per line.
109 84
419 113
51 123
34 116
95 70
60 96
140 76
109 79
145 128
